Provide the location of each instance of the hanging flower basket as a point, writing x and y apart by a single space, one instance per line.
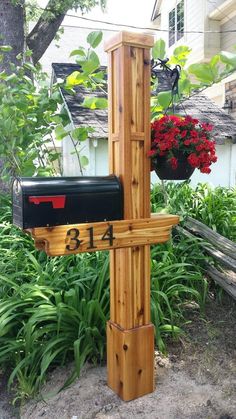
165 171
179 146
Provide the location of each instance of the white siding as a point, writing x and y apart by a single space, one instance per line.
228 40
233 166
223 171
195 20
203 46
70 40
99 157
212 5
95 150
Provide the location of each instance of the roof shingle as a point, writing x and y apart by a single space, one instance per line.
198 106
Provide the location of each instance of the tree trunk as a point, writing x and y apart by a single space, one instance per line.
12 31
44 31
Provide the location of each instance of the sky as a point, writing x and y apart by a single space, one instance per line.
133 12
129 12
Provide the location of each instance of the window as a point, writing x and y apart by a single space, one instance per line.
176 23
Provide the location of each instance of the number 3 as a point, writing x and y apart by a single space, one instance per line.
73 233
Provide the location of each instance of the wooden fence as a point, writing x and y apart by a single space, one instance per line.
222 250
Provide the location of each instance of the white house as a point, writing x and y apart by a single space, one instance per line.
96 147
207 27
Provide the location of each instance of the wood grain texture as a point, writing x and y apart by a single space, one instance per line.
128 38
130 336
129 139
126 233
130 360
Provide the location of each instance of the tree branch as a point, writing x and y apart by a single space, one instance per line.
44 31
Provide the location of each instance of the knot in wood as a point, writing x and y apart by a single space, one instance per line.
141 311
135 182
132 53
125 347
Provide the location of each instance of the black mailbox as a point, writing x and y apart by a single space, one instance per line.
52 201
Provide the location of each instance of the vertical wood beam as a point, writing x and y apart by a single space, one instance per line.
129 142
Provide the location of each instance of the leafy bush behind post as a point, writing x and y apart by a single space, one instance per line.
215 207
53 310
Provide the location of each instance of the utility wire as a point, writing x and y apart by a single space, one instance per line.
144 28
89 27
137 27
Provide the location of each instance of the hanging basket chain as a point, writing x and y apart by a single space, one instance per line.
172 77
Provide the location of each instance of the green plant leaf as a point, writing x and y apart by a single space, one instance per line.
84 161
5 48
182 52
202 72
228 58
90 65
60 132
159 49
164 99
76 78
30 67
214 60
95 103
80 134
80 52
94 38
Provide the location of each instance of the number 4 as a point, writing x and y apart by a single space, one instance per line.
108 235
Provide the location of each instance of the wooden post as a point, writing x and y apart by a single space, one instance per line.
130 336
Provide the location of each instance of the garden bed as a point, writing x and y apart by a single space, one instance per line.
196 380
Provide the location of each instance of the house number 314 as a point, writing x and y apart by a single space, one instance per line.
73 235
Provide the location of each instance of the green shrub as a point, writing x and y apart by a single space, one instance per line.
215 207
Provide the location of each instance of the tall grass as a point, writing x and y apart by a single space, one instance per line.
54 310
215 207
177 279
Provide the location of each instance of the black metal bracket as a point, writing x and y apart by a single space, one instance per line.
172 74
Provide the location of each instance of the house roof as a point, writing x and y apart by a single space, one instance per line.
198 106
80 116
156 8
201 107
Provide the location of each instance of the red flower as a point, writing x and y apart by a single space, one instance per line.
173 134
151 153
207 127
205 169
193 134
174 163
193 160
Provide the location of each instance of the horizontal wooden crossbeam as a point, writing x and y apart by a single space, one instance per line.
90 237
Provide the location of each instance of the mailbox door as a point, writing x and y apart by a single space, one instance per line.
60 201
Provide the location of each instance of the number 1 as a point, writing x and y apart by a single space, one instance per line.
91 245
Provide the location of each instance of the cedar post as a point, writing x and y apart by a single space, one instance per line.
130 335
